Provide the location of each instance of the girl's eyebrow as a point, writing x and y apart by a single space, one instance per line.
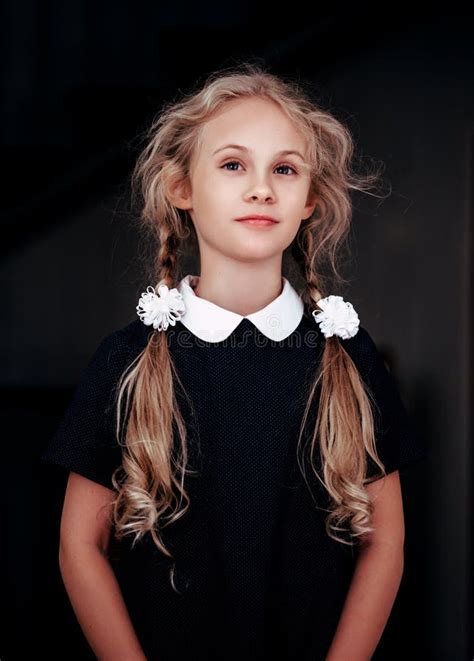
283 152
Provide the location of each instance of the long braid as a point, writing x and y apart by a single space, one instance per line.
167 256
303 253
336 435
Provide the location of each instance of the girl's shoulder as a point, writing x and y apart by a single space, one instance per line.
122 343
361 344
106 363
362 349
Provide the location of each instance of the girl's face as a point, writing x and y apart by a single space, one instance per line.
229 182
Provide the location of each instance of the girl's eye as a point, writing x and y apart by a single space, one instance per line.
283 165
231 163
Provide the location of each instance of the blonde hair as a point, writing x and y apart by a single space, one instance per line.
151 490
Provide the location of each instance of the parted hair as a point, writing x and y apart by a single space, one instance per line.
150 484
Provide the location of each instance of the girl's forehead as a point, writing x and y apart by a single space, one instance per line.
240 114
261 126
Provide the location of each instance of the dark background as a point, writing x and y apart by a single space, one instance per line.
80 80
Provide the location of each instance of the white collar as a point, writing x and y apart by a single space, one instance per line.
212 323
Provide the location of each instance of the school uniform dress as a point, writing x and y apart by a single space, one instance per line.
258 576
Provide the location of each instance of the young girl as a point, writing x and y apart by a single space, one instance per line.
234 451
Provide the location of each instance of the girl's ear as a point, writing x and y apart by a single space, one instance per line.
310 205
179 193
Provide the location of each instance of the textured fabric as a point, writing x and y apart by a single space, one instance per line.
259 576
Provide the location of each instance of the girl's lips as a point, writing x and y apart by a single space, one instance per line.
258 221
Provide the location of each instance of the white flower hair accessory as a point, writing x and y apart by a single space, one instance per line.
162 309
336 317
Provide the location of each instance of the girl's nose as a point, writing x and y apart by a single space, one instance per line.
260 191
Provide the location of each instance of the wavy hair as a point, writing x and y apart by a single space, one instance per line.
151 491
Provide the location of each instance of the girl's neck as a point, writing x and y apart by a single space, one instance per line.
243 298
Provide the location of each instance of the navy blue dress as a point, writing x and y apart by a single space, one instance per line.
257 574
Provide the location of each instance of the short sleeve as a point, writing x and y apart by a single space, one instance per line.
85 441
397 441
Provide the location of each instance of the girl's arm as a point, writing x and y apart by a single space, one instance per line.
376 578
87 574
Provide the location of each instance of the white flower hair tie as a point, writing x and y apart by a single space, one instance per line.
336 317
162 309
